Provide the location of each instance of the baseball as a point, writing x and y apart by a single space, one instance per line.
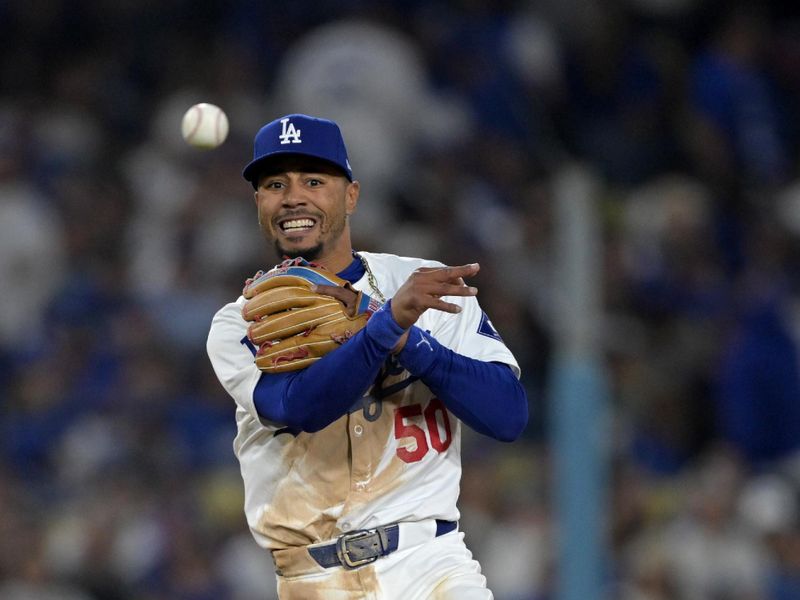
204 125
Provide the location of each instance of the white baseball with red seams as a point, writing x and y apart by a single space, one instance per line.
204 125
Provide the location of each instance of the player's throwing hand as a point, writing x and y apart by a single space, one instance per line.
424 289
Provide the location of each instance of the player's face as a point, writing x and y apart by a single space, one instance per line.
303 206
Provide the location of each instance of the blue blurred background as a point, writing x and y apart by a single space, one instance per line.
118 243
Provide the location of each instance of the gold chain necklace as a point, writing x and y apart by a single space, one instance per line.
371 278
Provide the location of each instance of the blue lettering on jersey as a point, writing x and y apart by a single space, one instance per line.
371 407
486 328
390 368
372 404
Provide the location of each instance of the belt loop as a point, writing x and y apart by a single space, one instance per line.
443 527
384 539
275 564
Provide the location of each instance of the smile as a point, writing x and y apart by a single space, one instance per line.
297 225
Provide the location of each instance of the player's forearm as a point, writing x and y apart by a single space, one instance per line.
486 396
315 397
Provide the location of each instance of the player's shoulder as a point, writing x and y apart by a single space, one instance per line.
234 307
228 317
400 265
226 332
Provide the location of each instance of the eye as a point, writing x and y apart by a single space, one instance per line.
273 185
314 182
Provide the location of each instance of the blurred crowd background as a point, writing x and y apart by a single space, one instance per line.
118 243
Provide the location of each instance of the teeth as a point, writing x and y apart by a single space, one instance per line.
297 224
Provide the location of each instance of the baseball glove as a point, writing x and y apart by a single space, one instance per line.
291 325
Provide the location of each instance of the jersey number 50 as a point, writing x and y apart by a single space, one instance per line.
414 414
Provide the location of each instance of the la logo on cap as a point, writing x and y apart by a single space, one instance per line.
289 134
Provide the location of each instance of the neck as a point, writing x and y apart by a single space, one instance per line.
337 261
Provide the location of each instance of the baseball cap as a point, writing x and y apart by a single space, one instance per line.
298 134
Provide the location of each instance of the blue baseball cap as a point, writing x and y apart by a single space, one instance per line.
298 134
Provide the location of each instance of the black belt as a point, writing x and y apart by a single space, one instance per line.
356 548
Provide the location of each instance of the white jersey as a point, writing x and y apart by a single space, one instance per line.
396 457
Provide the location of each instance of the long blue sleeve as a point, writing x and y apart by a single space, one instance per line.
312 399
486 396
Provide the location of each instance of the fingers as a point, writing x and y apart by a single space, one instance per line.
425 288
448 307
449 289
445 281
330 290
343 295
450 273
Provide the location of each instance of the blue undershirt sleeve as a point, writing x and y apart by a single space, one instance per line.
487 396
313 398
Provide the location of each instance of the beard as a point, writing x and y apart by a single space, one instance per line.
310 254
332 230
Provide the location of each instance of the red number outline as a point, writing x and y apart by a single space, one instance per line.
433 426
403 430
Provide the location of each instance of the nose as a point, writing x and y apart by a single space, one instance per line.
293 195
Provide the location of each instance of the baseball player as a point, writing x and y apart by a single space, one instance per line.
351 464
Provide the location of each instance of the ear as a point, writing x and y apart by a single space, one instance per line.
351 197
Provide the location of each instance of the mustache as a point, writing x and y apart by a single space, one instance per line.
295 213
